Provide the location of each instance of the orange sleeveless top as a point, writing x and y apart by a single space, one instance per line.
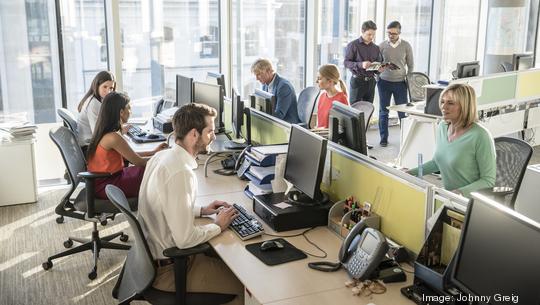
108 161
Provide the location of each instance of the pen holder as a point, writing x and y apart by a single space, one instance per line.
340 222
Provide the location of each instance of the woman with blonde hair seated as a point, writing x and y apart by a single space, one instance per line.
328 79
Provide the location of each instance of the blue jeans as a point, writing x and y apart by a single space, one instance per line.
386 90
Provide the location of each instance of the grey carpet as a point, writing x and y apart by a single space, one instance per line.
29 234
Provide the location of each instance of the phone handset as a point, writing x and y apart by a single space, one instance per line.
242 164
360 254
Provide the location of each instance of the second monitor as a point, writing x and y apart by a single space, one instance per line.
347 127
263 101
210 95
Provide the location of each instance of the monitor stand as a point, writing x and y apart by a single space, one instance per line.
299 198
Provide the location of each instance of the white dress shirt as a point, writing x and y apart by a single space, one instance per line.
167 207
86 122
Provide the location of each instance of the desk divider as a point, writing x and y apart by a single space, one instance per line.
528 85
266 129
227 114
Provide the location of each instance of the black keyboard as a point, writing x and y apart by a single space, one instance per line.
245 225
140 136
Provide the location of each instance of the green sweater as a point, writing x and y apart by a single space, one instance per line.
467 164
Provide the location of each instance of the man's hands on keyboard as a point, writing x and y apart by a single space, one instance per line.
225 217
246 226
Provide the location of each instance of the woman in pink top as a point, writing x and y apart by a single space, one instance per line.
327 79
108 148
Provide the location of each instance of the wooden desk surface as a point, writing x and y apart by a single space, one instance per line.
293 282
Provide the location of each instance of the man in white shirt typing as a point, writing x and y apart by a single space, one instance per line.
167 207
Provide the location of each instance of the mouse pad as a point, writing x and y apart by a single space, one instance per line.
287 254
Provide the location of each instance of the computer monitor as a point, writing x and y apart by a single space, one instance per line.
184 90
304 166
498 254
216 79
263 101
467 69
432 101
237 114
347 127
211 95
522 61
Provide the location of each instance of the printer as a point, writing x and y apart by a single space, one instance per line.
163 121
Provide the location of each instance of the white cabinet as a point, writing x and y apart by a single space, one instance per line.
17 173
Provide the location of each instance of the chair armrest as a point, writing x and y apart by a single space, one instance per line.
174 252
93 175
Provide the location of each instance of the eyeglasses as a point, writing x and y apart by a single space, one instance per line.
392 34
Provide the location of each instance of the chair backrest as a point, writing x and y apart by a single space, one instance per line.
71 152
139 270
69 118
506 66
513 155
415 85
306 104
367 108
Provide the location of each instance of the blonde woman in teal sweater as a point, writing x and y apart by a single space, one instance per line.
465 151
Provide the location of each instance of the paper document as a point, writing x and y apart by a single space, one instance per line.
375 66
270 149
262 172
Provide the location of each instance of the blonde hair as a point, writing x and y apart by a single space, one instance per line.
466 97
331 72
261 65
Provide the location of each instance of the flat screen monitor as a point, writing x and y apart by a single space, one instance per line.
498 254
467 69
522 61
432 101
184 90
347 127
216 79
210 95
237 114
304 166
263 101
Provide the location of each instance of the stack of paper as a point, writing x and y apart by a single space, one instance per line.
19 131
259 189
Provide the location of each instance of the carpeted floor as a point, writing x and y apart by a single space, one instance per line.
29 234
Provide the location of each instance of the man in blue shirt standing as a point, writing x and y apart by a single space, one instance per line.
359 55
282 89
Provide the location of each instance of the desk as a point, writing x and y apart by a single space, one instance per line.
290 283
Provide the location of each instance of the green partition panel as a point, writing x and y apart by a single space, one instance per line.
498 89
227 115
402 206
528 84
266 131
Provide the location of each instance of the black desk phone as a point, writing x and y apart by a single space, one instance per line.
362 251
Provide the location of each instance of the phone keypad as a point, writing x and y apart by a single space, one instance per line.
358 264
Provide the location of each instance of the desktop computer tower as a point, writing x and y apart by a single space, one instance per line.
292 217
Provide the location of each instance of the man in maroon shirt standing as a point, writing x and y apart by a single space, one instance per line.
359 54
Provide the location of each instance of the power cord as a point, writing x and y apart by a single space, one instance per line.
303 233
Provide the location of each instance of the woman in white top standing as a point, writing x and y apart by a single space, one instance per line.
90 105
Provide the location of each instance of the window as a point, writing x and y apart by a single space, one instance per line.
26 62
85 46
341 23
415 19
165 38
459 35
271 29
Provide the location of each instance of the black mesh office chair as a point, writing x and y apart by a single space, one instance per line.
69 119
506 66
513 156
306 104
84 206
367 108
139 270
415 85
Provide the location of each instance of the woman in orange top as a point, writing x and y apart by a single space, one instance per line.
108 148
327 80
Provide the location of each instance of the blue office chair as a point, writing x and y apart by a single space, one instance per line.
306 104
139 270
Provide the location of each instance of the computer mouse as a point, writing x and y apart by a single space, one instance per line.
152 136
271 245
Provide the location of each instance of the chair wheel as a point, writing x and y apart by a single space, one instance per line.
47 265
103 222
60 219
92 275
68 243
124 237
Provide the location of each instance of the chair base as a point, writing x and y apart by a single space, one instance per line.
95 244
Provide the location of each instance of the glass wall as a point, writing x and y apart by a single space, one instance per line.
85 46
459 34
341 23
162 38
415 19
271 29
28 60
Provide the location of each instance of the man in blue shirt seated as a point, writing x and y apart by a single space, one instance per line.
282 89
